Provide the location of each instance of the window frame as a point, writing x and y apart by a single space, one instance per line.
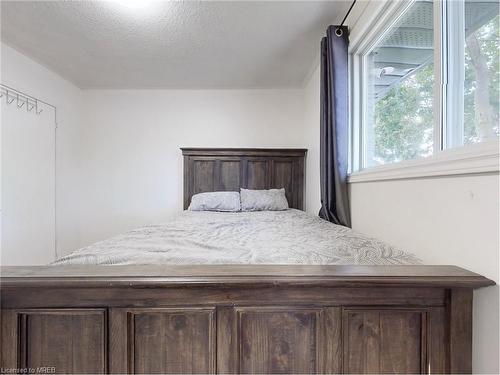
366 31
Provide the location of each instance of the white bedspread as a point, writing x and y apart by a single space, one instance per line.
279 237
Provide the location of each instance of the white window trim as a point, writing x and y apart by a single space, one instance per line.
452 94
470 159
477 158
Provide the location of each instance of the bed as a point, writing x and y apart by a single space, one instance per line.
252 292
261 237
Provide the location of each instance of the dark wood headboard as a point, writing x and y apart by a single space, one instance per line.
229 169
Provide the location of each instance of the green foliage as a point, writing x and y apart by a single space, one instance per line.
403 119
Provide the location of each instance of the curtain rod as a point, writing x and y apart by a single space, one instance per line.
347 14
339 31
27 98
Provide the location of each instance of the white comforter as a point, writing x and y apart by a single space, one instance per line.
279 237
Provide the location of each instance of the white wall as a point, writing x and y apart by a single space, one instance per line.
28 182
131 138
312 135
24 74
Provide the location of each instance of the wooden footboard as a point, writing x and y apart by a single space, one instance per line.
238 319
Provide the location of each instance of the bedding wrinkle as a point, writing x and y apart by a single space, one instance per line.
257 237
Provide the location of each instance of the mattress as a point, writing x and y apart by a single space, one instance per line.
265 237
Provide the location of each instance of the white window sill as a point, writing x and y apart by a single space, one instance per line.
468 160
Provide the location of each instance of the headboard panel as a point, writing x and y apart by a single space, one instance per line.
229 169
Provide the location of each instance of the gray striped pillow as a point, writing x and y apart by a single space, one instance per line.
263 200
226 201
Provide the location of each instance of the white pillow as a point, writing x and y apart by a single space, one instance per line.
263 200
227 201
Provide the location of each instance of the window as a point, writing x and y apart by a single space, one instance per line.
400 89
473 57
429 80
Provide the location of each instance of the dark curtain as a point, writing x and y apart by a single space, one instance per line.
334 127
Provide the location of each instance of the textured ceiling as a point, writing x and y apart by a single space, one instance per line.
186 44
